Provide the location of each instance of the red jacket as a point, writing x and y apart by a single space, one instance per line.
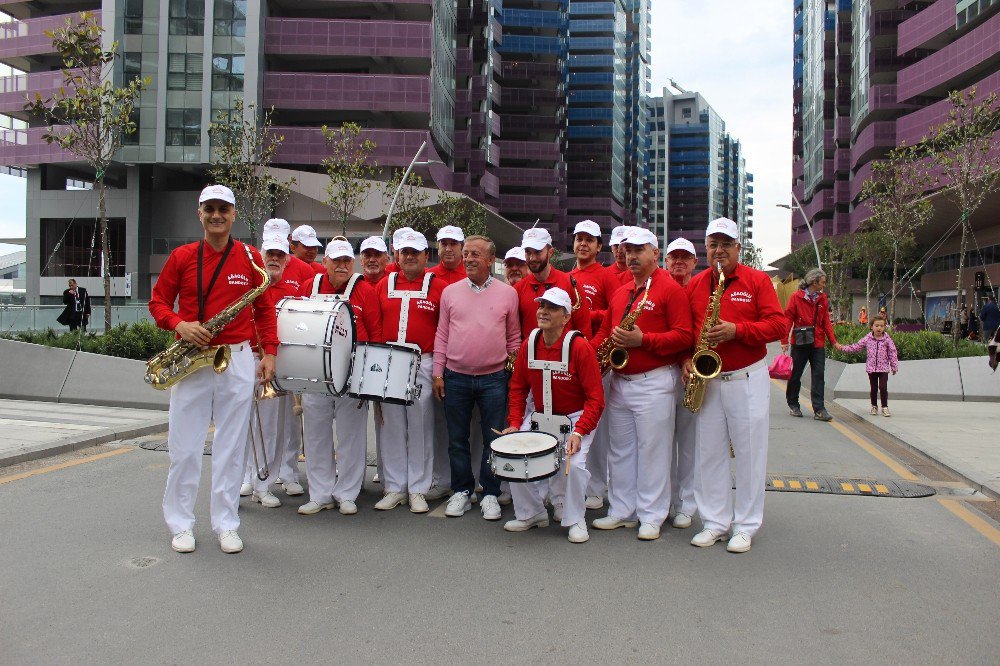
803 312
579 389
749 301
367 321
297 271
529 288
597 284
447 276
622 275
422 318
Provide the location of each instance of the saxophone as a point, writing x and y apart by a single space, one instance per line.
706 363
182 358
609 356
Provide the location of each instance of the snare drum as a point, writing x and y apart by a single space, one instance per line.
316 348
526 456
386 372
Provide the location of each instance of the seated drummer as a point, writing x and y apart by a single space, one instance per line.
577 393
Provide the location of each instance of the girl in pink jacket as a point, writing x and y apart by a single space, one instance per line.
882 358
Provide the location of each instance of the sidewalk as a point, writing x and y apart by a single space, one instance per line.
32 430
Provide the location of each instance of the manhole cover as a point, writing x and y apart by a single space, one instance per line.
838 485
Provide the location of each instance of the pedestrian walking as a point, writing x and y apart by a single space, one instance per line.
808 320
882 359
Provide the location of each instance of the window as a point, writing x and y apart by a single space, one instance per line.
187 17
230 18
184 71
686 112
131 66
133 17
227 72
183 127
133 138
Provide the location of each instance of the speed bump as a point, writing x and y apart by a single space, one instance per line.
835 485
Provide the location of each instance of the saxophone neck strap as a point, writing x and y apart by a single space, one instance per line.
548 367
405 295
203 295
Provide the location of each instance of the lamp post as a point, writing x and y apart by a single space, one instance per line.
406 174
797 206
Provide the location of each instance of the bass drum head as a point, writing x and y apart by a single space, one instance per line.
524 444
340 338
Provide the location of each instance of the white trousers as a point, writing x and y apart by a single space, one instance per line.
734 411
641 447
408 438
289 431
682 470
597 461
282 439
570 491
195 403
337 478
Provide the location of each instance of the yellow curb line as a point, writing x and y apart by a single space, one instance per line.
69 463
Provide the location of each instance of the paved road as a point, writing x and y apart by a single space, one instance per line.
87 574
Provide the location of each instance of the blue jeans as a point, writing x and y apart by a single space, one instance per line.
461 394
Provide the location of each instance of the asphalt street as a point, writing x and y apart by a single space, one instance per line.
87 575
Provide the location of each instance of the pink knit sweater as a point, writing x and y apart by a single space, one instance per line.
882 355
477 329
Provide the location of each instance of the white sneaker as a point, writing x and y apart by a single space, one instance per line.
474 497
612 523
594 502
418 503
578 533
505 498
293 488
183 542
490 507
246 490
230 542
707 537
390 501
649 532
557 512
376 478
436 493
458 505
740 543
347 507
309 508
681 521
266 499
538 520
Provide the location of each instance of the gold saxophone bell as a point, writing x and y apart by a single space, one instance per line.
618 358
220 362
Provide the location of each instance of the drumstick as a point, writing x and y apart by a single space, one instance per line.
568 456
496 431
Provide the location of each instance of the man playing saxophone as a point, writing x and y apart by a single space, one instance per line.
641 424
735 405
208 278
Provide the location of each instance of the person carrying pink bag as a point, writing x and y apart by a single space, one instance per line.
882 358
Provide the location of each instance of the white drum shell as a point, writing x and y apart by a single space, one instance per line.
316 349
386 372
525 456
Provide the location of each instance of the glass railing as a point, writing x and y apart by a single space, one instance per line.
16 318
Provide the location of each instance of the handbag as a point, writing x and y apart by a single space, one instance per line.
781 367
805 336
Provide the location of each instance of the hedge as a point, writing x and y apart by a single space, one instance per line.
912 346
140 341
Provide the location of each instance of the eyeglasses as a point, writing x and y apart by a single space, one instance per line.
725 245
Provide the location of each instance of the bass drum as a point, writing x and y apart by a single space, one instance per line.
525 456
316 346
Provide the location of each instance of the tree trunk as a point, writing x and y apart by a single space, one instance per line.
868 291
957 323
895 278
105 252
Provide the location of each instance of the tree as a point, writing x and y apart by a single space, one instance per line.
411 204
838 255
459 212
966 156
872 249
243 147
351 170
896 194
801 261
90 115
753 256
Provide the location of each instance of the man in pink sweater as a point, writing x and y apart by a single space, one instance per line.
478 327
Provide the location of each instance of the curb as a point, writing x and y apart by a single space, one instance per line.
36 452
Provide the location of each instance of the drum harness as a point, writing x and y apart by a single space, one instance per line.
548 422
405 296
348 289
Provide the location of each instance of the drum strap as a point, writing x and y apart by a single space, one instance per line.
346 296
547 367
405 296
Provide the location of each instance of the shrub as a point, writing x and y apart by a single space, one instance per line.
911 346
140 341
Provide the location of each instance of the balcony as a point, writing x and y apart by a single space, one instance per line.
334 37
875 136
529 150
527 177
927 28
912 127
356 92
394 148
27 148
27 38
14 89
529 203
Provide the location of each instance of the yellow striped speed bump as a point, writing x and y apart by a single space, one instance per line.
834 485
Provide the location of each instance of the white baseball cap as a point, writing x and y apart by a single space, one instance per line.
723 225
617 234
536 238
374 243
557 296
588 227
515 253
411 239
397 236
220 192
306 235
640 236
274 242
681 244
451 232
277 226
339 248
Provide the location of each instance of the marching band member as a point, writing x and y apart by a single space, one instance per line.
537 244
478 328
680 262
736 404
305 247
597 284
296 269
410 304
450 268
515 267
374 259
574 390
397 235
640 451
618 268
339 479
205 278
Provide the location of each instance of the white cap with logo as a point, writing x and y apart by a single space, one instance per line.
374 243
338 248
306 235
557 296
397 236
682 244
515 253
617 234
536 238
640 236
277 226
723 225
220 192
451 233
588 227
274 242
411 239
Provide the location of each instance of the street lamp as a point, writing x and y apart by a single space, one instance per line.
413 163
797 206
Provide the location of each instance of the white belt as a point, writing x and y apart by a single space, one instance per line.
237 347
742 373
655 372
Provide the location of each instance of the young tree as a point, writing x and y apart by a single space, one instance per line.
411 204
966 154
243 147
351 169
873 249
753 256
459 212
90 115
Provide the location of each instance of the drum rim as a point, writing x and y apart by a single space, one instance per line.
339 392
536 454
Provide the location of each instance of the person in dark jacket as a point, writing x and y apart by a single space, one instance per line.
76 314
990 318
809 307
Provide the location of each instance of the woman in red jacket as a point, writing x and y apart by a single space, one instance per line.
809 307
